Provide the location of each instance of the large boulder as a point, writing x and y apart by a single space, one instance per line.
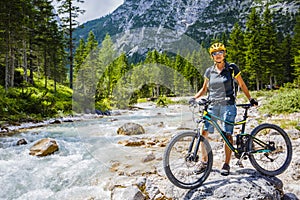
44 147
131 129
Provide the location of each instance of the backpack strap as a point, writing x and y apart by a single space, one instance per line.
234 82
231 70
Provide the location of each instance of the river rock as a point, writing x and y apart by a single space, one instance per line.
293 133
130 193
149 157
296 170
132 142
131 129
56 121
44 147
242 184
21 142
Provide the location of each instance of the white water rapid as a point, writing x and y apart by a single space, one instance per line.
85 150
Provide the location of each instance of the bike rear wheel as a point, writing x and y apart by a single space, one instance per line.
273 156
180 164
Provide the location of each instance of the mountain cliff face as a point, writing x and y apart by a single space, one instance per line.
200 20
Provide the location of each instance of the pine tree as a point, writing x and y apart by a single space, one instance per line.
123 89
178 75
91 44
30 37
167 74
297 69
83 50
253 54
79 56
296 38
12 15
236 47
123 65
57 54
70 12
295 49
286 60
48 36
270 67
106 56
195 61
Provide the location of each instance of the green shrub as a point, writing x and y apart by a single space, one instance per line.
282 101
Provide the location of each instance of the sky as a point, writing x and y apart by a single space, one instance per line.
97 8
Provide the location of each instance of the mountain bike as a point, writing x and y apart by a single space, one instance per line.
268 148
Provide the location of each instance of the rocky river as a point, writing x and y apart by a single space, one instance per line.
95 162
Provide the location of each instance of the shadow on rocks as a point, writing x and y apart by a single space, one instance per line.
240 184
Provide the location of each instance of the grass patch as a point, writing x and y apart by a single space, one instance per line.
285 123
282 101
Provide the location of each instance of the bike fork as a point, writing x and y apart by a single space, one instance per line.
196 147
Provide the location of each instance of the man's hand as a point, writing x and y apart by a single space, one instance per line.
253 102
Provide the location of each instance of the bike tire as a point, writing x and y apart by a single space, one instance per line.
277 161
178 169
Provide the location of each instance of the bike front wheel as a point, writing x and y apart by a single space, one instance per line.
270 149
182 158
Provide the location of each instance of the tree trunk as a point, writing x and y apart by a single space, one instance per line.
12 68
55 75
157 90
9 67
30 63
271 82
6 71
25 77
45 68
71 45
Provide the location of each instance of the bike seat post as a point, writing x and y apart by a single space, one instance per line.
246 113
206 107
245 116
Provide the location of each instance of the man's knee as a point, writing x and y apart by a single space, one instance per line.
230 138
205 134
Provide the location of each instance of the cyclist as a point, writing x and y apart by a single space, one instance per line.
219 81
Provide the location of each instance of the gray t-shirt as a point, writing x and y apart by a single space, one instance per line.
221 85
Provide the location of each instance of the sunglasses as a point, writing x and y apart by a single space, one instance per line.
217 53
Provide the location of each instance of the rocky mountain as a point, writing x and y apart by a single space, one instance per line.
161 23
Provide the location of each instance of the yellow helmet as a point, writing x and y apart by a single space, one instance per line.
216 47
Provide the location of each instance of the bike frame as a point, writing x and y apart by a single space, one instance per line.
212 119
185 146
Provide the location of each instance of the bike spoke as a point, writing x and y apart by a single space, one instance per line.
181 162
271 150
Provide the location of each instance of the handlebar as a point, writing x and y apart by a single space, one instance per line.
246 106
206 102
